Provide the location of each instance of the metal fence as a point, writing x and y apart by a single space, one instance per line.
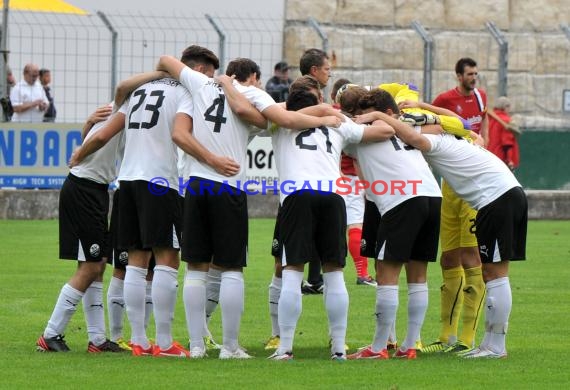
532 68
88 54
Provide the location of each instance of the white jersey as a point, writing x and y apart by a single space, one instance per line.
394 171
149 118
310 159
103 165
216 126
475 174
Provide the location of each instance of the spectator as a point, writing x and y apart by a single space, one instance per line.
503 133
45 79
7 109
28 97
278 85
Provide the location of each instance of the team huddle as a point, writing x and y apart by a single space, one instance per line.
180 121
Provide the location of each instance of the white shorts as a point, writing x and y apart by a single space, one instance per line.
354 203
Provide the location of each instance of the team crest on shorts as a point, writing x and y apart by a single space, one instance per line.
275 244
95 250
363 244
124 257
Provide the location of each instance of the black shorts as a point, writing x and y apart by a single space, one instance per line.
215 224
313 224
83 221
277 244
120 256
369 229
501 227
410 231
147 220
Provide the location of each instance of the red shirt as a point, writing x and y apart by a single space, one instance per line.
473 108
347 165
502 142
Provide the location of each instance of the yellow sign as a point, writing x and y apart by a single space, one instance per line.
58 6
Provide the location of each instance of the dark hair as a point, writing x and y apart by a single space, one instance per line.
43 71
300 99
350 98
336 86
305 83
310 58
462 63
243 68
281 66
195 55
380 100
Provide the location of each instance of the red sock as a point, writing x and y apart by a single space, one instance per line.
360 262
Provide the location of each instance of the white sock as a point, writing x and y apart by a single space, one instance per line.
336 303
213 282
95 313
290 307
231 303
386 308
497 311
392 338
148 307
417 307
115 308
274 293
164 287
63 311
194 305
134 286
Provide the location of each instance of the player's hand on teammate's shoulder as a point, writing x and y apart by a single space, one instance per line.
223 79
332 121
366 118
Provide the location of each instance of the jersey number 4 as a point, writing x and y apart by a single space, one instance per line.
219 119
141 93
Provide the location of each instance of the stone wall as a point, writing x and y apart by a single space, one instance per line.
371 41
43 204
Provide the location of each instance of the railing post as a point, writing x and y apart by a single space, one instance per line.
325 44
222 43
565 29
428 59
114 39
4 56
503 57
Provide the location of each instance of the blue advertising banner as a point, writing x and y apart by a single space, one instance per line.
35 155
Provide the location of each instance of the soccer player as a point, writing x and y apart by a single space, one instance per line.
215 214
315 63
488 185
354 203
158 113
313 219
407 231
462 292
84 237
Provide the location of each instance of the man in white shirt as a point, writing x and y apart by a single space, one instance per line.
28 97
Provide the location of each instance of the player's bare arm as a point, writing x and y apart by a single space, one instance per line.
97 141
297 121
239 103
127 86
183 138
171 65
99 115
378 131
322 109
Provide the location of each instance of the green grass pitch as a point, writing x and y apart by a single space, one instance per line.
537 342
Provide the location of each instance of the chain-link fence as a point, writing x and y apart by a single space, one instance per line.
89 54
532 68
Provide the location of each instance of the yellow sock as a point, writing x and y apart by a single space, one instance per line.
474 296
451 303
